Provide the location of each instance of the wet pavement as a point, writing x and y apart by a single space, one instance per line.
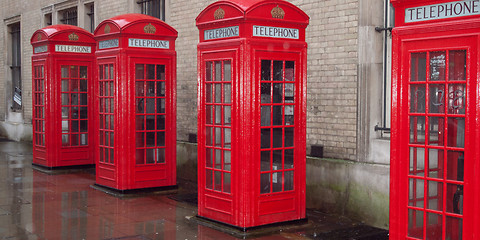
36 205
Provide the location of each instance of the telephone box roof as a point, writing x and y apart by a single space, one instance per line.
61 32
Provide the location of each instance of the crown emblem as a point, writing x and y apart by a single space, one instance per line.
149 28
73 37
107 28
39 37
277 12
219 14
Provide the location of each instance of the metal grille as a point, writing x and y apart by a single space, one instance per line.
91 15
70 17
154 8
16 67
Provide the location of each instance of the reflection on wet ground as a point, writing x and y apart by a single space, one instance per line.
35 205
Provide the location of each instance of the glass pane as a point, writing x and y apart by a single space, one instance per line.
140 156
288 178
74 140
150 89
457 68
227 112
74 71
415 224
456 132
289 115
161 139
278 93
437 66
209 114
227 90
83 99
417 98
65 86
65 127
277 70
227 137
434 226
435 163
265 161
139 122
83 113
218 93
218 159
139 71
437 98
417 161
83 139
150 122
209 158
74 98
436 131
288 161
83 72
209 179
454 229
150 105
150 71
150 156
265 138
218 115
65 72
65 99
160 72
160 122
418 67
65 140
140 139
160 154
218 181
150 139
160 89
277 137
454 198
277 115
227 69
455 164
218 71
456 98
265 92
289 71
266 70
277 182
416 189
139 89
208 93
265 183
265 115
160 105
289 137
417 130
107 72
227 160
101 72
435 195
84 126
277 160
209 136
226 182
289 93
208 71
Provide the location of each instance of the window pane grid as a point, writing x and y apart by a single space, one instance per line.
437 138
74 105
150 100
218 96
39 106
106 116
277 126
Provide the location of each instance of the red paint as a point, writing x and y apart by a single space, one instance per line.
62 82
434 127
135 103
251 162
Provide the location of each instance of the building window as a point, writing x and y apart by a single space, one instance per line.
69 16
90 18
16 67
154 8
48 19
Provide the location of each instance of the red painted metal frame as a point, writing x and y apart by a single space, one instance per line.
47 103
238 200
454 34
118 169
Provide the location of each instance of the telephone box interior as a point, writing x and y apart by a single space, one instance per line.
136 103
251 112
62 75
434 191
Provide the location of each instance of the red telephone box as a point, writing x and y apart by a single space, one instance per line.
252 112
135 103
435 158
62 75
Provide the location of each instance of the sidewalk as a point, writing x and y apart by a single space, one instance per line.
35 205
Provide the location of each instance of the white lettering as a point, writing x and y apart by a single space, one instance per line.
40 49
111 43
221 33
73 49
442 11
148 43
275 32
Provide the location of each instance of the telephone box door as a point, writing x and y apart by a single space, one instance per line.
436 151
154 123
